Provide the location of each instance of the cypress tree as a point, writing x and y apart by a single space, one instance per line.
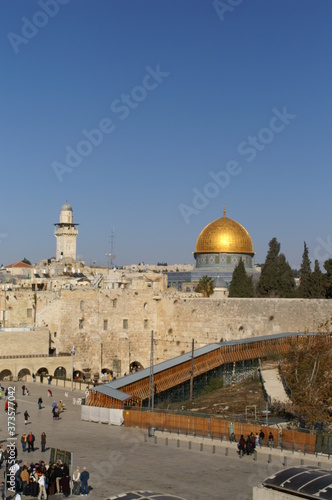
305 288
277 279
328 277
241 284
268 282
286 278
318 283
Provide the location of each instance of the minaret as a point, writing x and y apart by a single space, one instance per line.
66 233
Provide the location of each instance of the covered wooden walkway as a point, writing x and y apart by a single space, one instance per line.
134 389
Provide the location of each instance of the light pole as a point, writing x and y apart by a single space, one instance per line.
151 388
72 352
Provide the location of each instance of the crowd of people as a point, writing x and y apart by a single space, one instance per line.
40 479
248 445
46 479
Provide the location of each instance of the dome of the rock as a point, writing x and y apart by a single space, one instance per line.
226 236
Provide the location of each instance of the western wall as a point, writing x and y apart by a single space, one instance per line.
111 328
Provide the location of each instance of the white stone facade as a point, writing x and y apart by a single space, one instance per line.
66 233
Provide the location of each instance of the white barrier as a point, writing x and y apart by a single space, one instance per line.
103 415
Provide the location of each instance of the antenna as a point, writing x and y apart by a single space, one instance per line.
111 255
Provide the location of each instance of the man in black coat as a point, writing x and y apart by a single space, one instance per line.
31 442
84 481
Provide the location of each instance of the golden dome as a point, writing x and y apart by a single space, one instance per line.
224 236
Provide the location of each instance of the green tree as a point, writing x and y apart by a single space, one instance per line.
328 276
306 369
205 286
276 279
241 284
305 288
286 281
318 283
268 281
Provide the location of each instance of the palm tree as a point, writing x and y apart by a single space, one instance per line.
205 286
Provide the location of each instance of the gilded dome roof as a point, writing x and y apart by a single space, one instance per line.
224 236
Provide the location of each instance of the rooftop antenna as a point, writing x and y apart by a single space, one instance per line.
111 256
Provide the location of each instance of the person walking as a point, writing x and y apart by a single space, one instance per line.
261 438
23 390
40 402
24 440
26 417
241 445
43 441
271 440
84 482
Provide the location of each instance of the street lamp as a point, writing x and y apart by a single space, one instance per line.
72 352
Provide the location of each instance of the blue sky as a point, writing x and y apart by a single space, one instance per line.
179 89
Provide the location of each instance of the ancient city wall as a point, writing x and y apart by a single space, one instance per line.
112 328
24 343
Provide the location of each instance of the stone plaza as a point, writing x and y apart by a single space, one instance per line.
121 459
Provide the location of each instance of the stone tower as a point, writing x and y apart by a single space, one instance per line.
66 233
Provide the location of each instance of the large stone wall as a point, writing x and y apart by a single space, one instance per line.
111 326
16 342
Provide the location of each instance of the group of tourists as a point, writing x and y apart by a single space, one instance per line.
57 408
41 378
248 445
43 480
28 440
25 391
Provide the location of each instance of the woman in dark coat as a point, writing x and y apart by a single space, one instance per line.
51 481
43 441
65 485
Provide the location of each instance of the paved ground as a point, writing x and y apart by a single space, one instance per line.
122 459
274 386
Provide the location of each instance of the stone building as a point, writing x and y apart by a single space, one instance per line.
219 248
66 233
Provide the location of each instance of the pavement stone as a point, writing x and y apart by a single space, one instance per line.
122 459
